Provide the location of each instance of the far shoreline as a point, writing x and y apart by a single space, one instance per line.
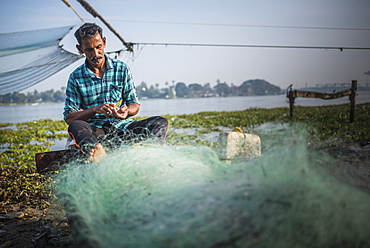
144 99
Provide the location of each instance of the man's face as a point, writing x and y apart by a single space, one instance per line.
93 48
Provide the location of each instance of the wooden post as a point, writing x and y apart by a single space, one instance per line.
291 96
291 103
352 99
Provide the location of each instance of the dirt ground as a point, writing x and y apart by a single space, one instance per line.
26 228
35 228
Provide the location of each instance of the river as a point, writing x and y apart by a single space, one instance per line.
152 107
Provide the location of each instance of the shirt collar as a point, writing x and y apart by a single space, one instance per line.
108 63
108 66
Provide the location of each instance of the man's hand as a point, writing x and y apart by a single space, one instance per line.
85 115
126 111
121 113
108 109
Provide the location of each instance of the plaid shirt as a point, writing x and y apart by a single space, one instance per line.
86 90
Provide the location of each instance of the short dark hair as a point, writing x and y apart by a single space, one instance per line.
88 30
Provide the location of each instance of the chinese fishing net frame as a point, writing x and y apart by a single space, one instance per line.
149 195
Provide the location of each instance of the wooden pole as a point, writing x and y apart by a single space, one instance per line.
291 104
352 99
93 12
74 10
289 95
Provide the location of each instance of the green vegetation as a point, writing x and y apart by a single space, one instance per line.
19 143
19 182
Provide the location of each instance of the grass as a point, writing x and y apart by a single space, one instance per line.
21 184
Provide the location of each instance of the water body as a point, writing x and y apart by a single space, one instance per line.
152 107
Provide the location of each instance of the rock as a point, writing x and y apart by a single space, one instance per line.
14 215
7 244
236 144
366 147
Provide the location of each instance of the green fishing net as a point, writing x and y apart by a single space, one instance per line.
184 196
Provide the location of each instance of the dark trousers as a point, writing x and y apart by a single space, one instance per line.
87 136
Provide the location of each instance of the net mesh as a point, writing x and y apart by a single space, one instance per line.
184 196
28 58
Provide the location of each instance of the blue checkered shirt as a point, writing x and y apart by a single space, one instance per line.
86 90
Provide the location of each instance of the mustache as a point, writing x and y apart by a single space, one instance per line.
96 58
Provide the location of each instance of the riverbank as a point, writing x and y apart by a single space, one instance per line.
328 130
179 106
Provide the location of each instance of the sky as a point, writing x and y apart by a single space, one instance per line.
321 23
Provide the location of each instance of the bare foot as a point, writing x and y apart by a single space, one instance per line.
97 153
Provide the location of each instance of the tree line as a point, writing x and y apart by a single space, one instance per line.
34 97
178 90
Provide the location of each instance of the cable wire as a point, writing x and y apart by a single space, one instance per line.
341 48
244 25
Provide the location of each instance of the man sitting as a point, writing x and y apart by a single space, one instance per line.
101 97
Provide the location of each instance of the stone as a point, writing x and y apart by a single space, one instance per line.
237 144
14 215
7 244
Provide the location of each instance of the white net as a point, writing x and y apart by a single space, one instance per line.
27 58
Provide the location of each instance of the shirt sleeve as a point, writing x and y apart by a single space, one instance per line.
129 91
73 101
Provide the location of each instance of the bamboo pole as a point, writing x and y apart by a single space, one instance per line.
93 12
74 10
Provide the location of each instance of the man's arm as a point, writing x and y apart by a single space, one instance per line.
79 115
107 109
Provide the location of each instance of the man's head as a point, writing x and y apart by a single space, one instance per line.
88 30
91 43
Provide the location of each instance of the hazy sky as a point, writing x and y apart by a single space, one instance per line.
240 22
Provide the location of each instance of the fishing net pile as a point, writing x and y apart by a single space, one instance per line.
27 58
184 196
